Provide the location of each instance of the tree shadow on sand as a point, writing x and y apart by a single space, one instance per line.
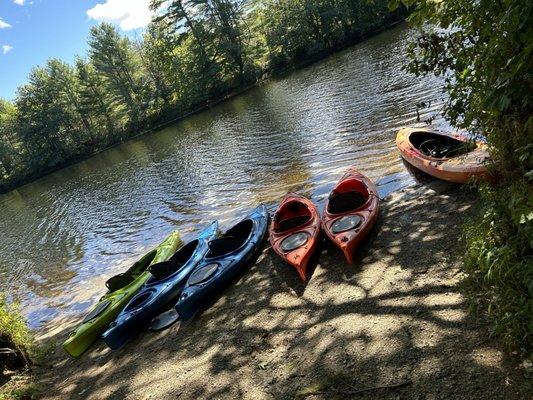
395 316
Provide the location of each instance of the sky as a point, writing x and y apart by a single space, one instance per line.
32 31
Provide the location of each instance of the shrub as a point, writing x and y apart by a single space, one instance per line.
499 261
483 51
15 337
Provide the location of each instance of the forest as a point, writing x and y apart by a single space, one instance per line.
194 53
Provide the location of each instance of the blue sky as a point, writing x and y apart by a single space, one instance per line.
32 31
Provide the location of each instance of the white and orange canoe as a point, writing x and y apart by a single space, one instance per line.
445 155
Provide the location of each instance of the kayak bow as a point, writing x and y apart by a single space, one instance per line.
121 288
226 257
294 231
161 290
350 212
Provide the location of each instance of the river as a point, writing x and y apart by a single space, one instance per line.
63 235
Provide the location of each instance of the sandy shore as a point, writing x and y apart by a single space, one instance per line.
395 318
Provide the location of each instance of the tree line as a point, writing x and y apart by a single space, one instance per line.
193 52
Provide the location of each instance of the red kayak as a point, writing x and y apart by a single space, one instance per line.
350 212
294 231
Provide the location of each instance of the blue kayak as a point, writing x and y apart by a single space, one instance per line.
226 258
160 291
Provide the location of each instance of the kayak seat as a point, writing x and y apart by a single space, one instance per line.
291 216
165 269
224 245
291 223
232 240
124 279
119 281
341 203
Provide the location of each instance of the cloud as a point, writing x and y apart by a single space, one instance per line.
129 14
3 24
19 2
6 48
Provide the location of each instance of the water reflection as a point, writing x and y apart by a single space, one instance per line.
66 233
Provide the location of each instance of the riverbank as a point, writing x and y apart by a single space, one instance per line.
168 117
396 318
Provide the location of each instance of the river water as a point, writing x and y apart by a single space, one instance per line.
65 234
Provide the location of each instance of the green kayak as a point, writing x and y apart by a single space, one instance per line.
121 289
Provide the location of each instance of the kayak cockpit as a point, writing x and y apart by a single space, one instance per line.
138 300
165 269
232 240
439 146
349 196
291 216
185 253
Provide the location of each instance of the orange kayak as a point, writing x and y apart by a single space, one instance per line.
444 155
294 231
350 212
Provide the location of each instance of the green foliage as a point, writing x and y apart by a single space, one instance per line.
295 30
15 336
113 59
162 64
483 50
193 52
13 326
11 162
96 104
499 261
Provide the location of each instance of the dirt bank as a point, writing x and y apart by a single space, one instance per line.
397 317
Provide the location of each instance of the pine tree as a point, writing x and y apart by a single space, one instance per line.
113 58
96 101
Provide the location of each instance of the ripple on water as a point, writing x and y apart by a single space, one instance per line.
65 234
